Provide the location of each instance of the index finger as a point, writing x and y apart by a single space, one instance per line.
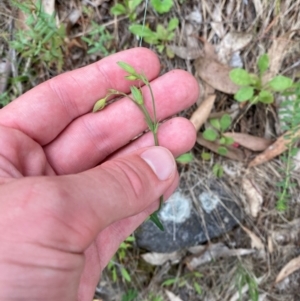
43 112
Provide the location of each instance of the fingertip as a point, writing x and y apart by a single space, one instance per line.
189 82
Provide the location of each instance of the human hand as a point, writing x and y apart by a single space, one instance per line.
62 215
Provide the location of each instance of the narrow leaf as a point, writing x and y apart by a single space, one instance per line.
128 68
125 274
154 218
263 63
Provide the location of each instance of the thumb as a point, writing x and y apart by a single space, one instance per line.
74 208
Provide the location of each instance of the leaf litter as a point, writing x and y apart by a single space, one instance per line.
231 21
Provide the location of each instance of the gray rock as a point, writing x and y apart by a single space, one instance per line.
195 213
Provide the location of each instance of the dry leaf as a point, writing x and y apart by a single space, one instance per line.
195 16
288 235
233 153
288 269
186 53
270 245
5 70
258 7
255 240
214 251
161 258
215 74
172 297
253 143
49 6
254 196
200 116
276 55
217 25
230 44
274 150
296 161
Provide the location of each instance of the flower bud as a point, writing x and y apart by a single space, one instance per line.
99 105
137 95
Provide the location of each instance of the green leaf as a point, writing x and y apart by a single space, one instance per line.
169 282
99 105
131 77
197 288
265 97
218 170
244 94
229 140
118 9
133 4
205 156
125 274
173 24
137 95
263 63
210 135
222 140
280 83
215 123
154 218
128 68
225 122
162 6
169 52
161 32
160 48
222 151
141 31
185 158
240 77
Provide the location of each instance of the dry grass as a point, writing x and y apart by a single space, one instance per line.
274 25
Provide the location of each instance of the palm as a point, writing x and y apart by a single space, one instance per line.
50 131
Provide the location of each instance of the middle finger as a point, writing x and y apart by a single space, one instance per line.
92 137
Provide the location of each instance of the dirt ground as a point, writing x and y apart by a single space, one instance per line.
259 259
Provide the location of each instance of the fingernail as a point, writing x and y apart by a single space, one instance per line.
161 161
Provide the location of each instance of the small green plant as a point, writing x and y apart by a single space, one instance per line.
42 41
130 295
184 280
137 98
289 115
160 38
4 99
254 90
244 277
185 158
117 262
153 297
128 8
98 40
162 6
215 133
252 87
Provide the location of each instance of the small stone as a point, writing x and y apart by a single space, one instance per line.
191 216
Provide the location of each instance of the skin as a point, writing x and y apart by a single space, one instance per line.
72 185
